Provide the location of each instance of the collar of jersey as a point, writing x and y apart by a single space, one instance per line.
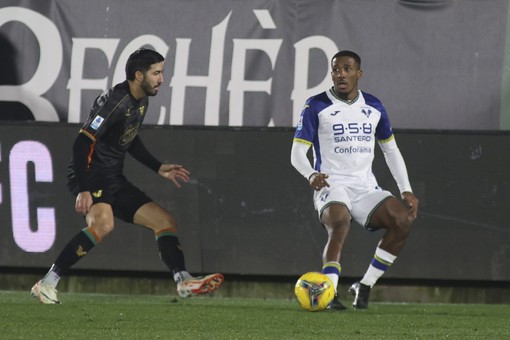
349 102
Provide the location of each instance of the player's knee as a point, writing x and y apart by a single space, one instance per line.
102 225
339 225
403 224
103 229
170 223
167 222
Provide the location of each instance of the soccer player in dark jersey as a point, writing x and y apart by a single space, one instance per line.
95 177
342 125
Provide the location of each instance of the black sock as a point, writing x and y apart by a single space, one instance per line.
75 249
170 251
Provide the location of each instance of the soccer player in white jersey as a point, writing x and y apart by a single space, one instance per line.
342 125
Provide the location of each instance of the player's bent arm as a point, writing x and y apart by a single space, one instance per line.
138 150
396 164
299 160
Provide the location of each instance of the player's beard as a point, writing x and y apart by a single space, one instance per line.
148 88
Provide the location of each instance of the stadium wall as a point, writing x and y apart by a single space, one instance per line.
247 212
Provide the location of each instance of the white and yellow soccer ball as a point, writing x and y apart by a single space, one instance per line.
314 291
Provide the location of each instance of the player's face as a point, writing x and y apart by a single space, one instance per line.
345 73
153 79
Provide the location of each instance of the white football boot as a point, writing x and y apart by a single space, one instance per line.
199 285
44 293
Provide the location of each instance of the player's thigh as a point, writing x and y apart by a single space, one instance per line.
367 204
391 214
332 196
128 199
336 216
155 217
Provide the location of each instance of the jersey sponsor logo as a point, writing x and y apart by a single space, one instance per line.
353 149
352 139
352 129
334 113
129 134
96 123
352 132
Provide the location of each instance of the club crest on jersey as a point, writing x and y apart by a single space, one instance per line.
96 123
324 196
142 110
366 112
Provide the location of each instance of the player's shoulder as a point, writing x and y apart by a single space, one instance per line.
373 101
370 98
319 98
318 102
113 94
120 90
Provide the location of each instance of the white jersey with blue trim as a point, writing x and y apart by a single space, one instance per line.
343 135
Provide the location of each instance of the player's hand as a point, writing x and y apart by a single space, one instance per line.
318 181
412 203
83 203
175 173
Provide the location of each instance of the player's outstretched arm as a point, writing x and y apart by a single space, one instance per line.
174 172
138 150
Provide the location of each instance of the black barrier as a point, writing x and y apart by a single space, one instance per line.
247 211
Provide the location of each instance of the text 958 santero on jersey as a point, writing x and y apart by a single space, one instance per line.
343 135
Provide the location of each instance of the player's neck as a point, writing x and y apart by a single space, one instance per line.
348 98
136 91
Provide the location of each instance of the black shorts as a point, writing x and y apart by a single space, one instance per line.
124 198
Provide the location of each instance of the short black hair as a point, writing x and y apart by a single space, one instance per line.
141 60
346 53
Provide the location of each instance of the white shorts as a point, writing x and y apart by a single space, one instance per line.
361 203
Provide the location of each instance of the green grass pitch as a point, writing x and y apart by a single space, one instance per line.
91 316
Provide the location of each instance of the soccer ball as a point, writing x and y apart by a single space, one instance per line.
314 291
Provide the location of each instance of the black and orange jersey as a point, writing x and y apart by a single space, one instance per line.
112 125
